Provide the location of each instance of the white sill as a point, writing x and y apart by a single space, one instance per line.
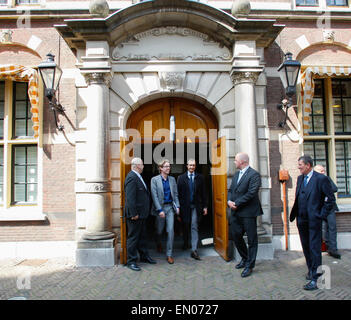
344 207
22 214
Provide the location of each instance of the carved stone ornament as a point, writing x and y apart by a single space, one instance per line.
99 8
160 44
98 78
97 187
244 77
329 35
172 80
6 36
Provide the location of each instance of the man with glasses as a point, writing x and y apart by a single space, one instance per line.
165 204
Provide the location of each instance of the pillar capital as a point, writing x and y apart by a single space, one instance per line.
97 77
244 76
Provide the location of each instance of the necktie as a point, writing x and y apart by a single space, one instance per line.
240 175
191 187
305 181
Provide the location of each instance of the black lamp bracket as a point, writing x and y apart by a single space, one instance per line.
56 108
285 105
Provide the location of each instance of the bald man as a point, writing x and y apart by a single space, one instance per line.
245 207
136 209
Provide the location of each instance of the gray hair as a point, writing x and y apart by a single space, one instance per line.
306 159
135 162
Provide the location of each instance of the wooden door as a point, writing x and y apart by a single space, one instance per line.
219 183
124 169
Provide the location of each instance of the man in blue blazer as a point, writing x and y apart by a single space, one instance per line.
314 200
245 207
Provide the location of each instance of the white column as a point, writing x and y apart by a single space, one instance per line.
96 69
245 114
98 182
245 71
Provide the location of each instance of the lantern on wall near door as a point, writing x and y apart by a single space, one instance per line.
51 74
288 72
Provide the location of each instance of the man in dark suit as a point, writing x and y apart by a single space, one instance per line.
314 200
245 207
329 231
193 203
136 210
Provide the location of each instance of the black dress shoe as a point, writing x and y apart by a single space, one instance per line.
134 267
148 260
246 272
195 255
335 254
241 264
312 285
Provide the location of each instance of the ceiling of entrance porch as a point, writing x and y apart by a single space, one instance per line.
220 26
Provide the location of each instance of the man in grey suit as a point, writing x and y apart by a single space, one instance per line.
245 206
165 204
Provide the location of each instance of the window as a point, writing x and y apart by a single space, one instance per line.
24 174
3 2
307 2
318 150
342 105
318 125
22 124
26 1
337 3
329 139
18 148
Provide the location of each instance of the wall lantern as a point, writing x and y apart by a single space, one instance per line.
51 74
288 72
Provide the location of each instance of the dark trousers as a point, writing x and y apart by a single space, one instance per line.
239 227
310 232
136 240
329 231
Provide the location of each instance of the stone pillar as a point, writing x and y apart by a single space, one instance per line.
97 246
98 182
245 114
245 71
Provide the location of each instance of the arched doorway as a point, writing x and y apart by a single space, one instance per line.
178 129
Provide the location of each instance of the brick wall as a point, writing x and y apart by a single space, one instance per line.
59 156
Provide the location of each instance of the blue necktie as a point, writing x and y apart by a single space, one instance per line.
305 181
191 187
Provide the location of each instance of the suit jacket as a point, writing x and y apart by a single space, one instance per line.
319 196
137 197
335 189
245 194
184 195
158 195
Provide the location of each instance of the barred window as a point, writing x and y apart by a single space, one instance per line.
18 147
307 2
337 3
329 139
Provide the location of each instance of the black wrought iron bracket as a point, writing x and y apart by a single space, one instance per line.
284 105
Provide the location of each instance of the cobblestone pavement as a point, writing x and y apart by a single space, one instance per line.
187 279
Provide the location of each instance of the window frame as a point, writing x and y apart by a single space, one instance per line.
307 5
9 209
330 137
